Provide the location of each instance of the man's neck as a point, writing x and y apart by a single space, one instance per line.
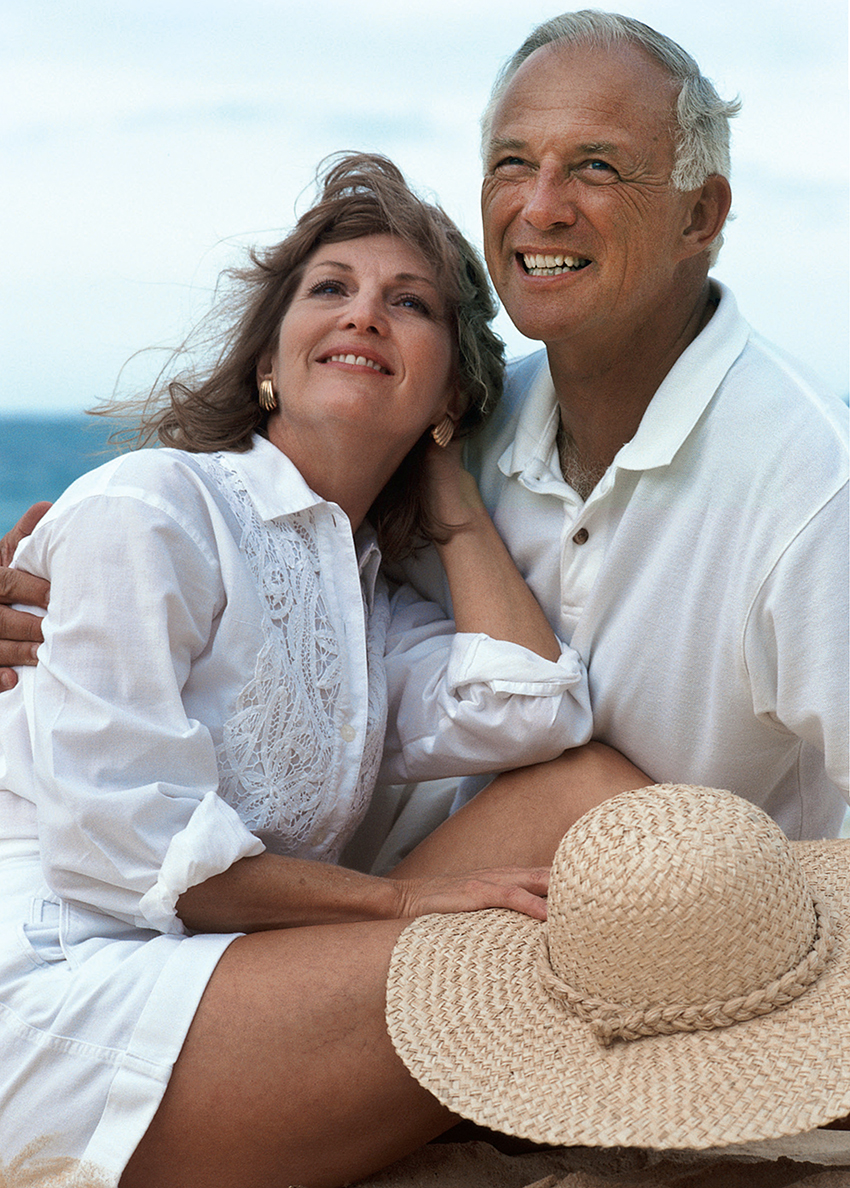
603 395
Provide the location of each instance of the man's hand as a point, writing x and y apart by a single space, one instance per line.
20 633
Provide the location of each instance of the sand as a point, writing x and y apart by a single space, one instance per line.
819 1159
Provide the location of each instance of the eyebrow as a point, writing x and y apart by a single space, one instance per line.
399 278
501 144
606 147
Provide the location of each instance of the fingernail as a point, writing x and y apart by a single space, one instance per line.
7 680
34 652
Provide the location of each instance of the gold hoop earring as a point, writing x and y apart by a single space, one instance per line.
268 400
444 432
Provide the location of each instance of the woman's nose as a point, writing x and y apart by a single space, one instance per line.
364 312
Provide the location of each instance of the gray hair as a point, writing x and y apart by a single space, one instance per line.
702 117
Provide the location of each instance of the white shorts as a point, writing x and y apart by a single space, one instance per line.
93 1014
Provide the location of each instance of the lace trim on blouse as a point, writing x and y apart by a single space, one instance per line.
280 765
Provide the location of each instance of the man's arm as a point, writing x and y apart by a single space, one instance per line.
20 633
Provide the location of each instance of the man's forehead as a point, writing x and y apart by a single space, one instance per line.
589 84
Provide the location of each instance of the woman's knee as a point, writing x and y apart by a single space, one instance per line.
574 782
604 766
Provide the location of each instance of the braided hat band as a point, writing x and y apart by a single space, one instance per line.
611 1021
644 946
690 989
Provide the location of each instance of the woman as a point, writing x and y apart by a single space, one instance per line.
180 957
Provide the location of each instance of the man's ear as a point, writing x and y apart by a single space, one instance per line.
710 205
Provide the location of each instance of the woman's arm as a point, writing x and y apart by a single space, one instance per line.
269 891
489 594
492 689
123 774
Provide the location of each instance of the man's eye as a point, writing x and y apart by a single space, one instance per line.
597 171
510 165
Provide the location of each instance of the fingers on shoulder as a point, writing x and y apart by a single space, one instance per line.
18 627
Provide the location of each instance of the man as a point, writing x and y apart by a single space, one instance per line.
673 488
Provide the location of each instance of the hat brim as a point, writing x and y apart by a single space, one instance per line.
473 1025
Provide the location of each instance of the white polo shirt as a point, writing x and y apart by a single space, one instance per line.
705 580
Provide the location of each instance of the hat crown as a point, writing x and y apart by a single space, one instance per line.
676 894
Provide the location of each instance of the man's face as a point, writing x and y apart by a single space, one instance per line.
583 233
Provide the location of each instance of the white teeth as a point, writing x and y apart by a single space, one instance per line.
537 265
358 361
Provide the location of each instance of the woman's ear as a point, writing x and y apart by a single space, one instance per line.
456 404
708 212
264 365
442 430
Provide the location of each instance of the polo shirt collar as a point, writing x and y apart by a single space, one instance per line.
687 389
674 410
530 450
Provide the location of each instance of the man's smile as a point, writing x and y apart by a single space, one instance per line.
551 265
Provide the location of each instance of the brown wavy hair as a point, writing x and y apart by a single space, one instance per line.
215 407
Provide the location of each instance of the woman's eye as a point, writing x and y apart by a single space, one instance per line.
326 287
415 302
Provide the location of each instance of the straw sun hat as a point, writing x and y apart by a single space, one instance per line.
691 988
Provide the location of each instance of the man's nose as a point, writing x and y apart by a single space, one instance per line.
550 199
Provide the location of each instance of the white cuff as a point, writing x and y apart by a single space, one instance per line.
211 842
509 668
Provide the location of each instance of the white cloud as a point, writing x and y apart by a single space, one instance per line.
145 139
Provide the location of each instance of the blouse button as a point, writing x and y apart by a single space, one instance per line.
348 733
581 536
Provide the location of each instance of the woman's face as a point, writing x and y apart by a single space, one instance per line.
365 345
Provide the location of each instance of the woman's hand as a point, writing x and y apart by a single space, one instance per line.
452 492
270 891
521 890
20 633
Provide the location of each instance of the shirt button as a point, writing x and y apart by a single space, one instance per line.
348 733
581 536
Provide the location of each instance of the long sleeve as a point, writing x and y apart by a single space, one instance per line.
467 704
124 779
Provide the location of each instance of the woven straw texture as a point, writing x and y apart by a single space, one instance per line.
691 988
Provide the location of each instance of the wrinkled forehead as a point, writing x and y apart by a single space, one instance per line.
591 87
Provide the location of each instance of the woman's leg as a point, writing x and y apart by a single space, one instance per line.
520 818
287 1075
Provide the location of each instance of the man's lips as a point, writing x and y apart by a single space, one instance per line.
550 263
355 359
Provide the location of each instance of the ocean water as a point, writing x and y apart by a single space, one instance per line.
40 456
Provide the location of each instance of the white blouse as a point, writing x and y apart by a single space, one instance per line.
215 676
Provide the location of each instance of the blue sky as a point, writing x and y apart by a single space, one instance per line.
146 142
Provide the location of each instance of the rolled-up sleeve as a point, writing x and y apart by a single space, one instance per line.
463 704
125 780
